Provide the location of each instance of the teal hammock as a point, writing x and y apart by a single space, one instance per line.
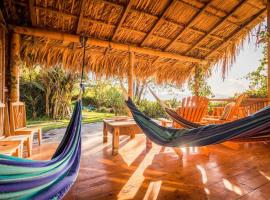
29 179
254 127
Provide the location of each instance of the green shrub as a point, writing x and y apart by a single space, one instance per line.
152 109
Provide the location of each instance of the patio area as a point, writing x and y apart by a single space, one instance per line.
218 172
138 42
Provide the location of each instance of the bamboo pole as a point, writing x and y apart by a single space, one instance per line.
37 32
130 74
14 68
196 79
130 77
268 48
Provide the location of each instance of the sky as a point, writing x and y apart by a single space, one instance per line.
247 61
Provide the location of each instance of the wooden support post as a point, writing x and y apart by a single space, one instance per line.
130 74
14 68
268 48
130 77
196 79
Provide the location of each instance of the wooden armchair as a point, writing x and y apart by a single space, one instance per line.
193 109
228 114
11 145
18 121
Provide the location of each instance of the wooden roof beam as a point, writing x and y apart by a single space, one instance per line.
79 25
193 29
127 9
32 12
112 25
158 22
238 6
189 24
229 38
36 32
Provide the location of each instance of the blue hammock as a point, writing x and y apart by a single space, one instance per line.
29 179
254 127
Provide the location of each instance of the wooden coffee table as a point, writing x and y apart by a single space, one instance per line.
119 127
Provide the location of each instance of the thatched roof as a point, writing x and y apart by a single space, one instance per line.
187 32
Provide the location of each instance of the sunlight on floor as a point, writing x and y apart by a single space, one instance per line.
203 173
190 150
266 176
153 190
207 191
132 150
232 187
132 186
102 146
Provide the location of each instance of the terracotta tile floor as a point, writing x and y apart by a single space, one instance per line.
218 172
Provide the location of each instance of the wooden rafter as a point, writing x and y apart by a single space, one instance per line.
36 32
158 22
113 26
238 6
229 38
127 9
32 12
80 20
189 24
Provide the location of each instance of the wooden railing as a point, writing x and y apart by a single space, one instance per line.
250 105
253 105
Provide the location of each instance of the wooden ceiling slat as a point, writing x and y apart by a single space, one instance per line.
127 9
190 23
79 25
238 6
106 24
158 22
244 28
32 12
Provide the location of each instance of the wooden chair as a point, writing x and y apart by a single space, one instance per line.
10 145
18 121
193 108
228 114
11 148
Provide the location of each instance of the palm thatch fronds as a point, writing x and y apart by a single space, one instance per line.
211 31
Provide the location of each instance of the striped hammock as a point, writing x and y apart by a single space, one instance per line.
29 179
254 127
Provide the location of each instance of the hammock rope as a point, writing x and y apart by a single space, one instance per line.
173 114
22 178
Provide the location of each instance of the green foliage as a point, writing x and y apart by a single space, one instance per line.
258 82
47 91
258 78
151 109
31 91
59 86
105 94
204 88
154 110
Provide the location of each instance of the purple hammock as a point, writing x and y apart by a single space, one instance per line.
28 179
